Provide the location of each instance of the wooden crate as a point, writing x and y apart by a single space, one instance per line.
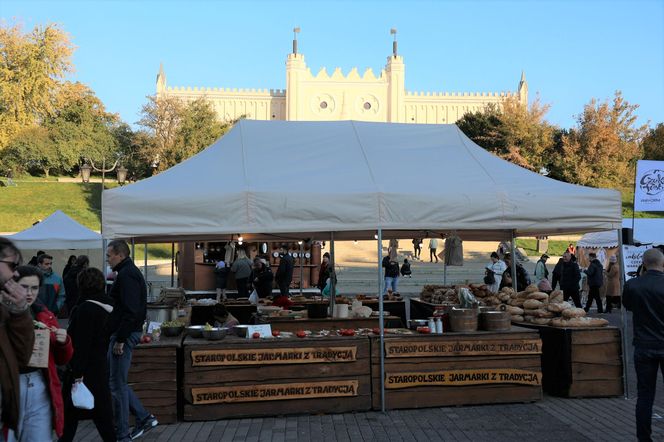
240 382
153 376
582 362
457 369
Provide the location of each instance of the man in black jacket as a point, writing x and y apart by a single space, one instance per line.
129 294
522 277
284 274
568 273
595 272
644 297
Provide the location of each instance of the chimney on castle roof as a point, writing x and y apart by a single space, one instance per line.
295 32
393 31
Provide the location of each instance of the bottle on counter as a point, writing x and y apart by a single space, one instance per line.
439 326
432 325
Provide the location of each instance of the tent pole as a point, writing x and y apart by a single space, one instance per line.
301 267
133 249
381 322
172 264
445 273
145 262
515 285
623 315
333 284
104 265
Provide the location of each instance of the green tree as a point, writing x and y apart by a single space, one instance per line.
602 149
653 144
32 66
198 128
30 150
512 131
160 116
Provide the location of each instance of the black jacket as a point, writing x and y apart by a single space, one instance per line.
285 270
568 274
522 278
129 294
71 286
88 328
405 269
644 296
595 272
391 268
263 282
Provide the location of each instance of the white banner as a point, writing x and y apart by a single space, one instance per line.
632 257
649 186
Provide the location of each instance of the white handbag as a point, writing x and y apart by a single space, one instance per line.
81 397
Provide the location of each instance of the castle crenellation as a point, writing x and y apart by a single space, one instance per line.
340 96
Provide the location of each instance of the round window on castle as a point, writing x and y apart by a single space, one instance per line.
323 104
367 105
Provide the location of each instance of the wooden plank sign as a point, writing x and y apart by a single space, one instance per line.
273 392
40 351
261 356
450 378
418 348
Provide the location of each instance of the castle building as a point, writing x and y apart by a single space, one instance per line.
325 97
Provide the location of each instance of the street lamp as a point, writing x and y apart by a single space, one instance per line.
85 172
122 175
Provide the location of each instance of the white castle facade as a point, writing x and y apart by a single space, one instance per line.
325 97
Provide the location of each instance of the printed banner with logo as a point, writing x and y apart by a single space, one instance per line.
649 186
632 257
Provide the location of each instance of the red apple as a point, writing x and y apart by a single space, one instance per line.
275 333
301 334
256 335
146 339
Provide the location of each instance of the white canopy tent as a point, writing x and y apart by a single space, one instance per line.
58 231
351 178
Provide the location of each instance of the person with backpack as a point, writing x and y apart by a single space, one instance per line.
522 277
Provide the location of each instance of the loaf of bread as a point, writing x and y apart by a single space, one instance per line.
513 310
532 304
573 313
517 318
540 296
556 296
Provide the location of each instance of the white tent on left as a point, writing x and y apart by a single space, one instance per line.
58 231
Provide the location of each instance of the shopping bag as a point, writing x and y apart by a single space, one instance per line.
253 298
81 396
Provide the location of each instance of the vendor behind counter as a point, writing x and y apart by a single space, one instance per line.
223 318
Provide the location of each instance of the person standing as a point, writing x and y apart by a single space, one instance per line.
497 267
595 273
88 328
391 267
263 278
242 270
568 274
52 291
522 277
324 272
284 274
433 246
612 283
71 283
17 335
220 279
129 294
42 409
644 297
70 263
417 248
541 272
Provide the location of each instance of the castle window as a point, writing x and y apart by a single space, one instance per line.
367 105
323 104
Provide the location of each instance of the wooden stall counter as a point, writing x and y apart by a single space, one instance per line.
317 324
153 376
238 377
581 362
458 369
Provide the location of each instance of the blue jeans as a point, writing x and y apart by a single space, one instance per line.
34 415
124 398
391 282
646 363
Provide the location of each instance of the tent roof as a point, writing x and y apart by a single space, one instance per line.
275 178
58 231
599 239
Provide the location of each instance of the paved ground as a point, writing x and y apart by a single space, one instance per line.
552 419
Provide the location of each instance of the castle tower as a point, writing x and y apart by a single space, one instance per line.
523 89
295 70
161 80
396 80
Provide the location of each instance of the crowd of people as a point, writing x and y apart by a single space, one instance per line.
95 350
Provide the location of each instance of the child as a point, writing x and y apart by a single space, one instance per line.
405 269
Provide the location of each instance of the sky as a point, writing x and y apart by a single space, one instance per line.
571 51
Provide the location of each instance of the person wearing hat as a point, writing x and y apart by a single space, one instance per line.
612 283
595 272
